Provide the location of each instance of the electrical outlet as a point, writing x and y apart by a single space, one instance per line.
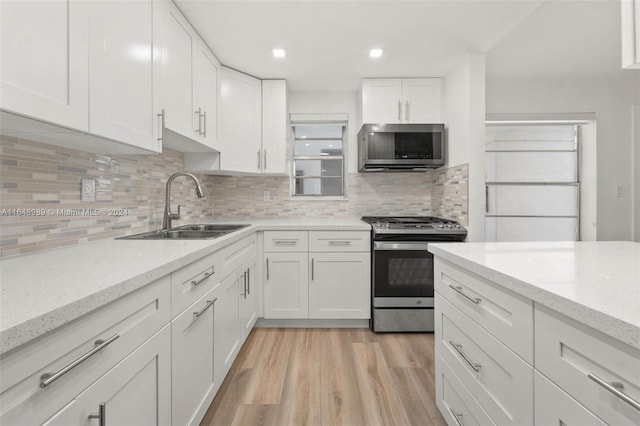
266 195
619 191
88 190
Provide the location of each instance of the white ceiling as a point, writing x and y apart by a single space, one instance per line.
327 41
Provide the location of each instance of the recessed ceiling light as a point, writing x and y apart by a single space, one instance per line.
279 53
375 53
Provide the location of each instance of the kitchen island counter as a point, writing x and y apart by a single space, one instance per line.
594 283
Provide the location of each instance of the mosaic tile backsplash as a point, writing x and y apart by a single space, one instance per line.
41 207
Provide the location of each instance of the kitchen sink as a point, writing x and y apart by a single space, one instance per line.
187 232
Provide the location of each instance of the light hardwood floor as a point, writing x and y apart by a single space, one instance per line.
329 377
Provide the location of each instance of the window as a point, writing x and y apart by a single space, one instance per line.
318 160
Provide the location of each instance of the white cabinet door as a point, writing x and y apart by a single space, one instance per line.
421 100
207 82
240 122
630 25
137 391
248 291
286 285
177 41
382 100
275 128
44 51
339 286
226 333
192 360
121 73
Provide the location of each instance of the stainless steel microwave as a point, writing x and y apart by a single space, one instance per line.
400 147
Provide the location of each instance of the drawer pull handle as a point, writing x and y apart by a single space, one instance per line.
457 416
458 348
458 289
267 269
101 416
48 378
340 243
206 276
285 242
207 306
616 389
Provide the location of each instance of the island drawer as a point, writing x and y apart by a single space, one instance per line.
498 378
189 283
286 241
454 400
506 315
595 369
41 377
339 241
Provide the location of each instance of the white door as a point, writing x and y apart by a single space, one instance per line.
226 333
44 50
339 285
240 122
206 84
421 100
286 285
381 100
248 300
178 47
137 391
275 128
192 359
121 73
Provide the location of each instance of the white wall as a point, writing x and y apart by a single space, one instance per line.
611 101
333 102
464 116
636 171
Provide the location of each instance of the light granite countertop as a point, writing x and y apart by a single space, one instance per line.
595 283
40 292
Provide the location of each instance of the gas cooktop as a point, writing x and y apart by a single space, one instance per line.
414 225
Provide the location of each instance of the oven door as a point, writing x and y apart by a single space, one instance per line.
402 274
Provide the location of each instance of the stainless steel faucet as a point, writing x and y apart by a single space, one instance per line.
168 216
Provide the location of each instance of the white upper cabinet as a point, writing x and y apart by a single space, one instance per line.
240 122
275 127
396 100
630 20
121 70
44 54
206 86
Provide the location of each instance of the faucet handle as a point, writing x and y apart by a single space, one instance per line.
178 214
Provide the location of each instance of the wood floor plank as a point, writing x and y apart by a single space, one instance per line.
300 404
224 406
381 401
398 350
265 386
255 415
416 395
252 349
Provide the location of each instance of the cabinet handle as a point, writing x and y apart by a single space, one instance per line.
458 289
458 348
340 243
258 159
399 110
204 127
244 286
406 111
199 113
265 159
457 417
486 198
161 126
267 269
207 275
248 281
312 268
207 306
285 242
616 389
48 378
102 414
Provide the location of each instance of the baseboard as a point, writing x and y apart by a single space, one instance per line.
312 323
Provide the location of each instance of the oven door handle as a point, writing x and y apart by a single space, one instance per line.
404 245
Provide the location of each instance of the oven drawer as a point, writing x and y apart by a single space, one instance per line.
568 352
499 379
286 241
506 315
339 241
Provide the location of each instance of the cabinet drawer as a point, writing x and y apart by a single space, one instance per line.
339 241
499 380
286 241
554 407
234 255
125 323
454 400
567 352
192 282
506 315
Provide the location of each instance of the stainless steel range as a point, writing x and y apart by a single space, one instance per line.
402 270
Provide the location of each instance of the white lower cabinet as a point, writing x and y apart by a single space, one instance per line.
286 293
226 326
248 299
